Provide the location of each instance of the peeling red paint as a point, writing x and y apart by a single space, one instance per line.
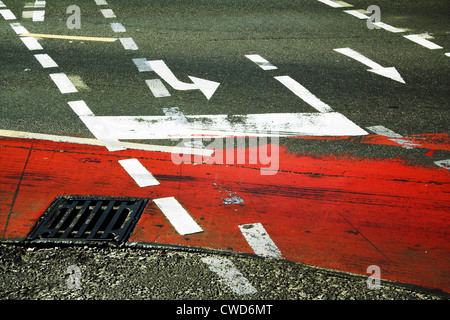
334 212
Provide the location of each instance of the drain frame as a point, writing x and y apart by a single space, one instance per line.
81 219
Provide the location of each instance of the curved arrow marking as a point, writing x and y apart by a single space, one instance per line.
388 72
207 87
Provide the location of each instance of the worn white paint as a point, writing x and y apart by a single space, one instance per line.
167 127
229 274
142 64
443 164
405 143
157 87
260 241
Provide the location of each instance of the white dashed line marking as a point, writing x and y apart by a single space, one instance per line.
80 108
18 28
336 4
360 14
259 240
230 275
128 43
101 2
46 61
38 15
108 13
420 39
157 87
142 64
2 5
177 215
304 94
388 27
31 43
7 14
139 173
117 27
63 83
261 62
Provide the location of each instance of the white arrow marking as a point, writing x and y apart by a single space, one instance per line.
207 87
389 72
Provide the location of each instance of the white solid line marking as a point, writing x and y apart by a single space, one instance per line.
230 275
95 142
18 28
139 173
7 14
63 83
357 13
38 15
117 27
177 215
383 131
46 61
142 64
443 163
80 108
101 2
419 39
31 43
259 240
108 13
167 127
388 27
128 43
335 4
261 62
304 94
157 87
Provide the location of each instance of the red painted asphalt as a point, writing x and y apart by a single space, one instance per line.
340 213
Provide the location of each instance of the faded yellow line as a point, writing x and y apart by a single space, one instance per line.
56 36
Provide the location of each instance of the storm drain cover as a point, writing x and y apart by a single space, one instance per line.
83 218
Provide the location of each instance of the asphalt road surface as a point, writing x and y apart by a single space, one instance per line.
131 62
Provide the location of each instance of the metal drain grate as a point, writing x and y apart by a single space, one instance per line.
82 218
